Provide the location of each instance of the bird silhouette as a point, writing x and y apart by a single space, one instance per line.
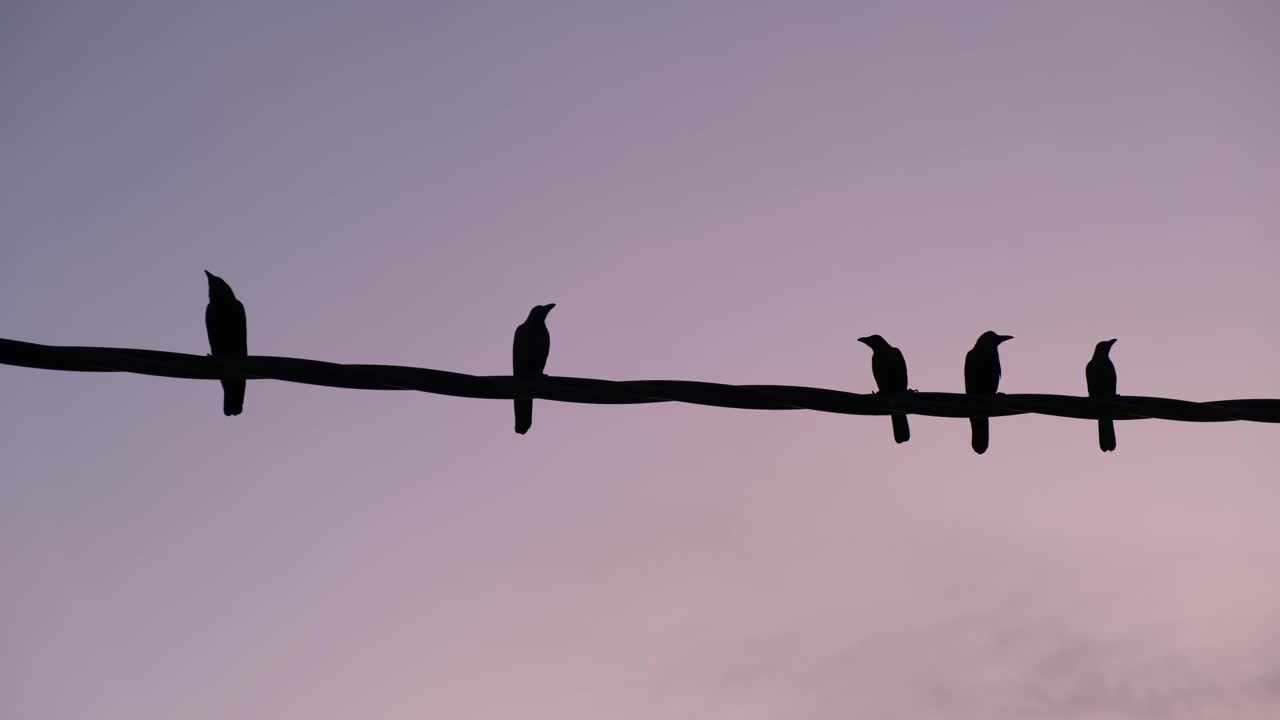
889 369
1100 374
982 377
529 353
224 321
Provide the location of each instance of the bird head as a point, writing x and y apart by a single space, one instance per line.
1104 347
874 342
539 312
991 339
218 288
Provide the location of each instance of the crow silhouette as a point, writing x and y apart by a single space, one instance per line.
889 369
529 352
1100 374
224 321
982 377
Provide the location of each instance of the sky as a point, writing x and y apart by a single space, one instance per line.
731 192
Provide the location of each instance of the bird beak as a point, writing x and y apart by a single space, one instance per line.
1003 338
208 274
549 306
865 340
1111 342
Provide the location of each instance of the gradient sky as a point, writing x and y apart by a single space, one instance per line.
713 191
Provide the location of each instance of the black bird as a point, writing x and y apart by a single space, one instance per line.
529 353
1100 374
224 321
982 377
890 371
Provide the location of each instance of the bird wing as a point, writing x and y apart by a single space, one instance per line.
981 371
972 378
238 329
529 349
541 342
225 325
519 351
897 369
1100 374
889 369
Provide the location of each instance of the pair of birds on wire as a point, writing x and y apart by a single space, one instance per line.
224 321
982 377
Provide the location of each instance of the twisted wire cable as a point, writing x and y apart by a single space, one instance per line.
625 392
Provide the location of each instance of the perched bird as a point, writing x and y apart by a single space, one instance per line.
1100 374
889 369
224 321
982 377
529 358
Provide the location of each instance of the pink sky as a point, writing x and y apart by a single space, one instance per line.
711 191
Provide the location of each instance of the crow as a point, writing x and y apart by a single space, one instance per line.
982 377
529 353
225 323
889 369
1100 374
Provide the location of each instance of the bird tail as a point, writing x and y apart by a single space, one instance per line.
1107 435
232 397
524 415
901 430
981 433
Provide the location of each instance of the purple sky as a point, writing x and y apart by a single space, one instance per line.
711 191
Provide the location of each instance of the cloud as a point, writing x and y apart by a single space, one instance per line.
1015 664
